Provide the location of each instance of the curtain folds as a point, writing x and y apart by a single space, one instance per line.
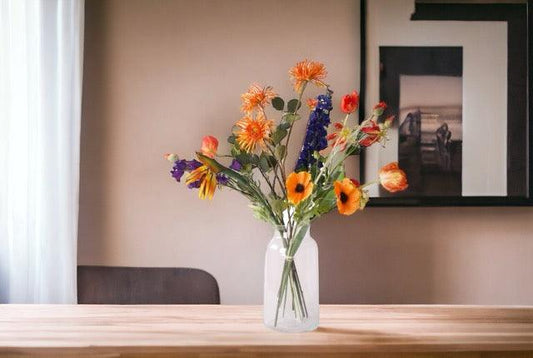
41 53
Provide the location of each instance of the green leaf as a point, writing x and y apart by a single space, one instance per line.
243 158
231 139
281 150
293 105
278 135
291 118
284 125
278 103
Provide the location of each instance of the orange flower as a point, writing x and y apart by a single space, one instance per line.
311 103
350 102
348 196
253 132
209 146
307 71
340 136
299 187
373 134
392 178
206 177
256 96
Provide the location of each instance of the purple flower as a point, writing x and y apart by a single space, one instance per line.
235 165
181 166
315 136
222 179
194 185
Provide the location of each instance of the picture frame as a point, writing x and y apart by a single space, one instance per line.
456 149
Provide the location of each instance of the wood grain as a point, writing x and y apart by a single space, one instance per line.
237 331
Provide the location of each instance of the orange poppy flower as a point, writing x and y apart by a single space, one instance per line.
392 178
256 96
348 196
209 146
299 187
252 133
308 71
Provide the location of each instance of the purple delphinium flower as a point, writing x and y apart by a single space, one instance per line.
316 133
235 165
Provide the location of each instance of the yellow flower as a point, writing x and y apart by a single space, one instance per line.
308 71
253 132
256 96
205 178
299 187
348 196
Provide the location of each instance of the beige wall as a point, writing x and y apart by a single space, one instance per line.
161 74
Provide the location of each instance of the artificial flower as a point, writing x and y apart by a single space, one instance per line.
311 103
307 71
255 97
205 178
392 178
350 102
182 166
315 136
339 137
299 186
171 157
379 108
209 146
372 134
348 196
235 165
252 133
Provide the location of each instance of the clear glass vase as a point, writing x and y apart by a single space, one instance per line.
291 285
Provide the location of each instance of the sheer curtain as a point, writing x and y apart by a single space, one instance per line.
41 51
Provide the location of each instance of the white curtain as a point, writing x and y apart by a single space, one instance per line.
41 52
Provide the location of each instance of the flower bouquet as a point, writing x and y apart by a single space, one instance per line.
290 196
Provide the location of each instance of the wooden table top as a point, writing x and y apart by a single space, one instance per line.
228 331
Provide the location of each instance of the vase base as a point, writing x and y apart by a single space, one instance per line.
292 325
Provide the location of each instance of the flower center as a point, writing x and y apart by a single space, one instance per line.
255 131
343 197
299 188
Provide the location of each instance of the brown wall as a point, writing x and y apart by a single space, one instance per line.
161 74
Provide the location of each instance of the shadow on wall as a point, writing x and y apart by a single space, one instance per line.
95 108
426 255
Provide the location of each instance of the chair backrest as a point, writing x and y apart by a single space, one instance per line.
146 285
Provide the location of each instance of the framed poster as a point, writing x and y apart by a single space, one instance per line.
457 77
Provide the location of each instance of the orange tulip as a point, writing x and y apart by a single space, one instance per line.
209 146
392 178
350 102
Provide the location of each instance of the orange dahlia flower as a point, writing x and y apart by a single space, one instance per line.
348 196
209 146
307 71
252 133
256 96
299 187
392 178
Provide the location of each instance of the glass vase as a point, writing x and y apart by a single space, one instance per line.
291 284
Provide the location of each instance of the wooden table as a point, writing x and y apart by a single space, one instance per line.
237 331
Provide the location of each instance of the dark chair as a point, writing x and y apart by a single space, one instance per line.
146 285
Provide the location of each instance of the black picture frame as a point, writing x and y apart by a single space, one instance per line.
520 110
